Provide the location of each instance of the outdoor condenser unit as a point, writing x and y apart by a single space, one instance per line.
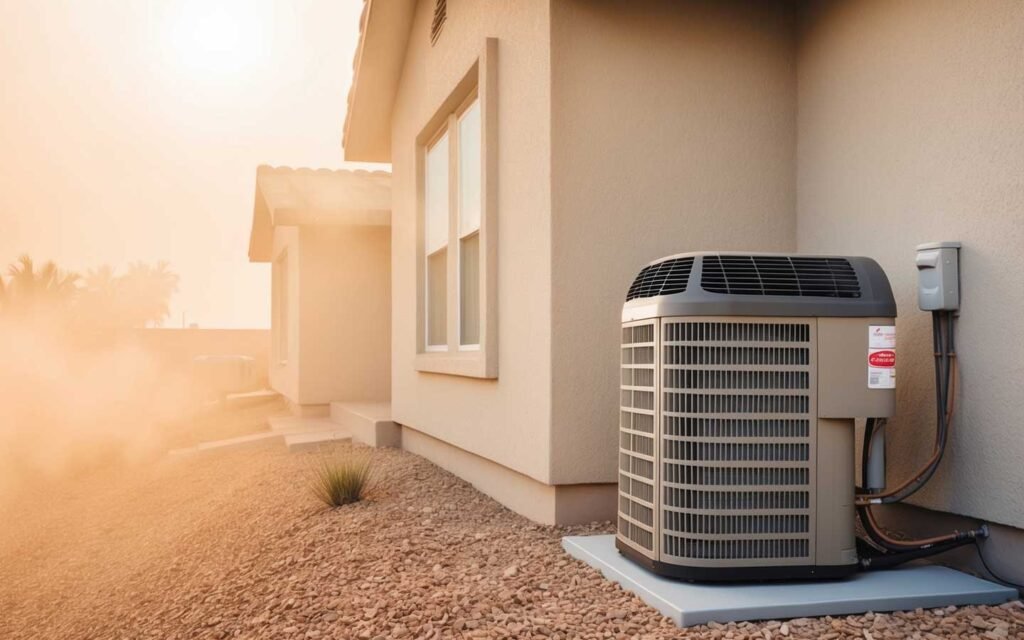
742 375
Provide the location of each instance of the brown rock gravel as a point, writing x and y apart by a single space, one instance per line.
232 546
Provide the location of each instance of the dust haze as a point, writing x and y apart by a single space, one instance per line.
78 388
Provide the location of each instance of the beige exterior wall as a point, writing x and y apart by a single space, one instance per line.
345 314
673 129
339 317
911 129
284 373
506 420
543 503
834 127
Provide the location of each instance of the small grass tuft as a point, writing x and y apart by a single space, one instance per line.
342 480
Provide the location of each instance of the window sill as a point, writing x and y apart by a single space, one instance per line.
468 364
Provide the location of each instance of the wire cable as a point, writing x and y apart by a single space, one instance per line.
945 393
887 560
945 376
890 543
995 576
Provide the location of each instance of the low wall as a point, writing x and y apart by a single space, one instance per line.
176 349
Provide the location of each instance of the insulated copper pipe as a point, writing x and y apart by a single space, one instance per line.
874 498
889 541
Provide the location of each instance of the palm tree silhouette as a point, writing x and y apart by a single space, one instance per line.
30 289
140 297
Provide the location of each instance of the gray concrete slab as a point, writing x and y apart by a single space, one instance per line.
905 588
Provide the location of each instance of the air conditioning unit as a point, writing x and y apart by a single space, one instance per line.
742 376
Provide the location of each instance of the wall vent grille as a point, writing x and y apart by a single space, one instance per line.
735 442
661 279
440 17
637 439
779 276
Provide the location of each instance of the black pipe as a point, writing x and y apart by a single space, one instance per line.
889 560
869 429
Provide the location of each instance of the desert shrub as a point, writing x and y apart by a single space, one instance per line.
342 480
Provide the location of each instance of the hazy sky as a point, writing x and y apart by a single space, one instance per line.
131 130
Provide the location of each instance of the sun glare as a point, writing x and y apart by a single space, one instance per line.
217 38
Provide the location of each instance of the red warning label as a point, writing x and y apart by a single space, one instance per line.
882 358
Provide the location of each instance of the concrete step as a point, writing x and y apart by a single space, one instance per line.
295 433
251 398
262 438
298 424
314 440
368 422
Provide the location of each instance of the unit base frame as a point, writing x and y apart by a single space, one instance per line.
736 574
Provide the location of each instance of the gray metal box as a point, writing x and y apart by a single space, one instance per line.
938 276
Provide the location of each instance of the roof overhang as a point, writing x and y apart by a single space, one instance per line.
383 37
315 197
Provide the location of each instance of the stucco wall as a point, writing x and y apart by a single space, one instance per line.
505 420
673 129
284 375
911 129
345 314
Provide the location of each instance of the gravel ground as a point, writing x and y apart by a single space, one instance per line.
231 545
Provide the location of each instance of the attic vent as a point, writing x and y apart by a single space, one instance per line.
661 279
779 276
440 15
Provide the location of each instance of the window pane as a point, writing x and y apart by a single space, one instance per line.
436 196
469 289
469 169
437 286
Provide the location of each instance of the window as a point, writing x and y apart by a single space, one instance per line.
456 265
279 319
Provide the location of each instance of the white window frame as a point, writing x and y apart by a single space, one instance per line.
476 360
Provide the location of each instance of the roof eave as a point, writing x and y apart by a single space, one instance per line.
261 235
383 38
305 197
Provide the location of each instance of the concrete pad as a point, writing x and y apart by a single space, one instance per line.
308 441
905 588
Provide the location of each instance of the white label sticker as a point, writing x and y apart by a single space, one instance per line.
881 337
881 357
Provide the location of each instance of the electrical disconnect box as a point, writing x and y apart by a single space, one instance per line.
938 276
